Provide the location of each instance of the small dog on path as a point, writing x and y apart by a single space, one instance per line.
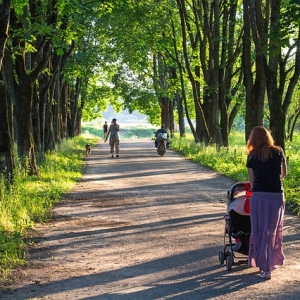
88 149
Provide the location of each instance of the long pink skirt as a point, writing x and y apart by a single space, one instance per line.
265 246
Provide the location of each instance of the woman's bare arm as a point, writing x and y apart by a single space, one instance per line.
251 177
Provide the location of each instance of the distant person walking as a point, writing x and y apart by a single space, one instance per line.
266 168
105 128
113 131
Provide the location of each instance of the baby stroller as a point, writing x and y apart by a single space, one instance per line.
237 225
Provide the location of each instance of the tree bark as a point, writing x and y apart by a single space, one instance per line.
4 24
6 139
180 114
178 97
255 86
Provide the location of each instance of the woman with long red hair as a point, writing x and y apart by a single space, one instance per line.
266 165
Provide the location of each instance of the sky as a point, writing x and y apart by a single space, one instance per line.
124 116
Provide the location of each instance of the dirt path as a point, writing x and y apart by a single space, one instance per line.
145 227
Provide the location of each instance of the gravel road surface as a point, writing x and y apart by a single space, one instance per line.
145 227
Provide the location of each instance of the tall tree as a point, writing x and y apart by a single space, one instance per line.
211 45
278 43
21 72
6 140
254 77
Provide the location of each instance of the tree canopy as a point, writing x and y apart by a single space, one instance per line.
203 62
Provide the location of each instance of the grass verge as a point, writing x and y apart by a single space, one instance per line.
30 198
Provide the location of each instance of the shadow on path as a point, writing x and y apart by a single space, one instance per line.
144 227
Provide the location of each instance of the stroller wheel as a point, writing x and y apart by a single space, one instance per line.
221 257
229 260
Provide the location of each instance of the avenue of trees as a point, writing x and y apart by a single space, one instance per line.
204 61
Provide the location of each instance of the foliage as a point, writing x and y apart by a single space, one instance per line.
127 52
113 62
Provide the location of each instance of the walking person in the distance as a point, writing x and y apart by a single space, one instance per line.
113 134
105 129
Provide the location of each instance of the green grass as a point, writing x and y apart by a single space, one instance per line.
231 162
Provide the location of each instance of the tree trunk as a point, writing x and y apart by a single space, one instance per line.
165 113
57 115
231 96
74 108
64 110
178 97
47 85
185 101
271 68
23 125
171 117
202 130
4 24
277 116
292 124
255 87
36 122
6 141
180 113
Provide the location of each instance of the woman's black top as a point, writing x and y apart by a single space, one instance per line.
267 175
